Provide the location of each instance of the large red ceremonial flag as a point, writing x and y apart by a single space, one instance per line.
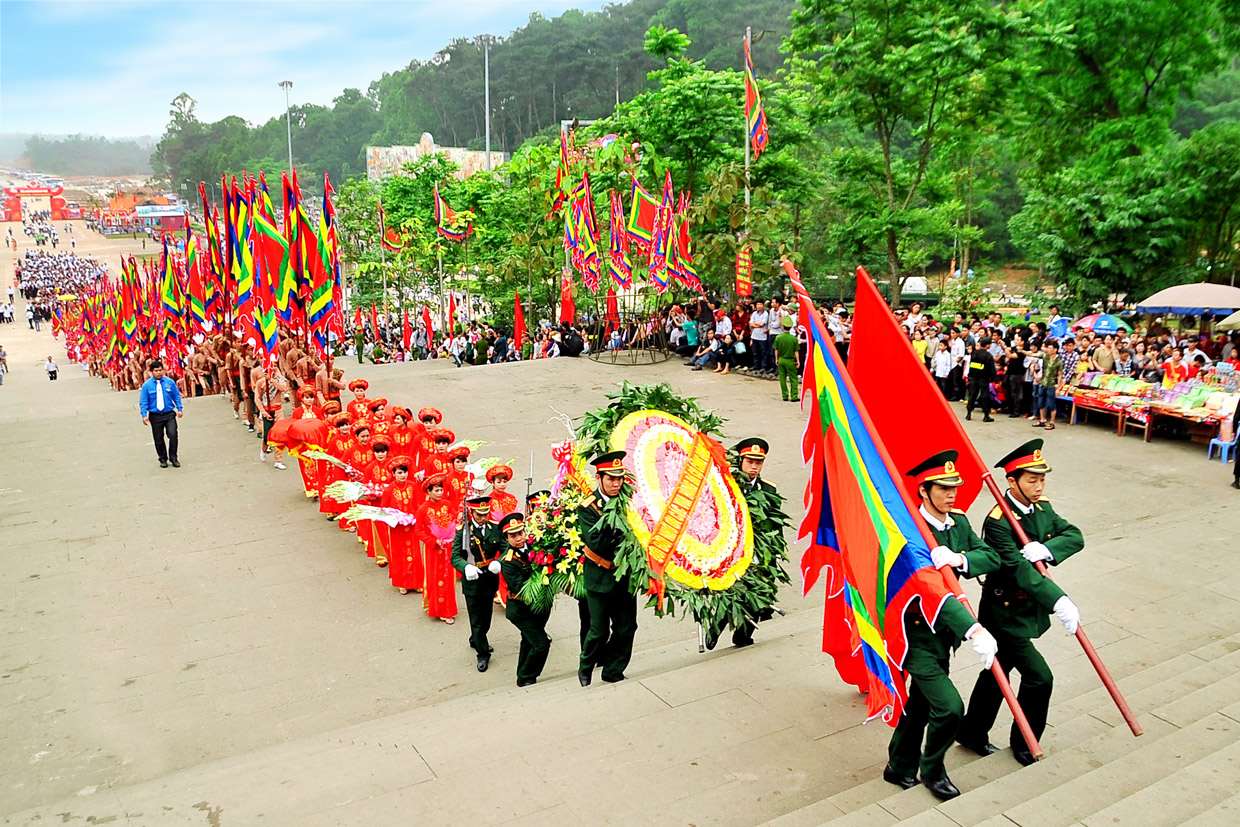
406 331
913 419
568 307
430 331
518 323
451 314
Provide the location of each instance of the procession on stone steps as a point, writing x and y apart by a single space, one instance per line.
647 503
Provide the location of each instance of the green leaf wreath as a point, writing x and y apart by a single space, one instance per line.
757 590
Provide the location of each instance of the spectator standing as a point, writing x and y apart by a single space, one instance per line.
941 364
159 402
758 321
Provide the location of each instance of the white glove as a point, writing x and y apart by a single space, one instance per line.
471 571
984 645
1035 552
1068 614
943 556
493 567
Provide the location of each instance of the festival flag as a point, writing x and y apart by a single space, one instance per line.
619 265
327 229
374 321
390 238
613 309
744 272
299 287
680 258
660 242
755 114
863 530
195 289
213 262
446 220
271 245
406 331
245 321
880 358
426 323
643 212
584 238
558 195
568 308
357 317
169 295
451 314
518 323
317 276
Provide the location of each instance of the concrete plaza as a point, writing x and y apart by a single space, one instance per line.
199 646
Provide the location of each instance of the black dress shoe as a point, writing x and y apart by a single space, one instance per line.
1235 483
983 749
526 681
175 463
711 642
612 678
483 663
490 648
584 676
906 782
969 416
163 463
984 419
943 789
1023 756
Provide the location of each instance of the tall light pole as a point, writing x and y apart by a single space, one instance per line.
486 73
288 122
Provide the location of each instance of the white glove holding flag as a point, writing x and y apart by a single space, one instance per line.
1068 614
1036 552
984 644
943 556
493 567
471 571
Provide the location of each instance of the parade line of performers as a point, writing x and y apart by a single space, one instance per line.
409 463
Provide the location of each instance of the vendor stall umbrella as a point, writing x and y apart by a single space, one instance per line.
1232 322
1102 323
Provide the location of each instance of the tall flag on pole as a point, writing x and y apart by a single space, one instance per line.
446 221
581 236
170 296
406 331
426 323
680 254
863 530
327 227
195 287
619 266
390 238
643 212
559 196
660 242
518 321
271 245
451 314
879 343
213 262
755 114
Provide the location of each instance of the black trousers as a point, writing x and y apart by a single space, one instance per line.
979 393
583 615
164 424
479 603
613 625
535 642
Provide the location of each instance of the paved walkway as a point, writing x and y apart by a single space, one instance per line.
199 646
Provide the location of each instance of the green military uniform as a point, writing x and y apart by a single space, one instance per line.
934 706
484 546
535 642
612 605
786 349
1016 605
754 490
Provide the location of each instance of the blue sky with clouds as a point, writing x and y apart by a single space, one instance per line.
112 68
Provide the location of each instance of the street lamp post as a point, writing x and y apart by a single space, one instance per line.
486 73
288 122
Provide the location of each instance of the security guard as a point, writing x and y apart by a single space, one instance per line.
515 564
1017 600
751 456
934 706
613 606
476 555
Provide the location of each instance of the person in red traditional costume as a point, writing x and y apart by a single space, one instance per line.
460 480
357 408
379 423
377 476
430 419
339 445
502 503
437 460
435 526
404 547
309 468
403 437
359 457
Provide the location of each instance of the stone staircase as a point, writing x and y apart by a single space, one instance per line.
1185 769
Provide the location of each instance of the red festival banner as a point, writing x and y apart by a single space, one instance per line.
744 272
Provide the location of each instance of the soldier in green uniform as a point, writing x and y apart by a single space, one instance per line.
613 606
475 553
1017 600
751 456
515 565
934 706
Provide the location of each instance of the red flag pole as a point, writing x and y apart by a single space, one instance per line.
969 452
949 577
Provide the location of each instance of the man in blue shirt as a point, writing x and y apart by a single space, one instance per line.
159 402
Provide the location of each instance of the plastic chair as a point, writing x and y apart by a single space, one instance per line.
1225 449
